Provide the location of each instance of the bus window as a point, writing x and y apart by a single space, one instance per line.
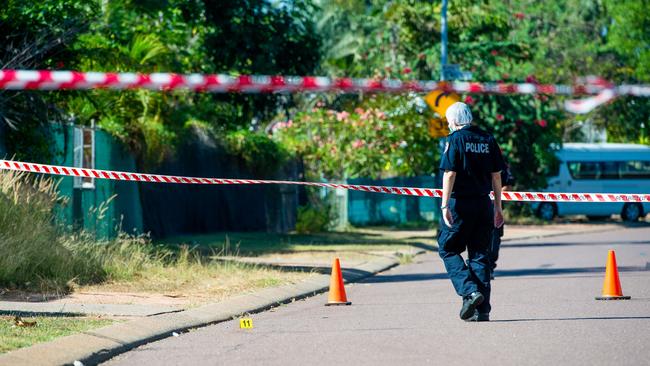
635 170
584 170
609 170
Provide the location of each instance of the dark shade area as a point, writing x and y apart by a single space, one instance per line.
176 209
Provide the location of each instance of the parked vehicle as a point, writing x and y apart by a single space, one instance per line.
594 168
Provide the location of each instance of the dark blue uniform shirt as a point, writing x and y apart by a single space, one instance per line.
474 155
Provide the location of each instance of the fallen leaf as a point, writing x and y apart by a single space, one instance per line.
18 321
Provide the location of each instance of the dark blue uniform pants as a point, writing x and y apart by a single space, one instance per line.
495 245
471 230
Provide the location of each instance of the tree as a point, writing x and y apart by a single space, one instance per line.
627 35
35 36
259 37
402 41
137 37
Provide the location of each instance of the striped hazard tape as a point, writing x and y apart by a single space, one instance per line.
218 83
403 191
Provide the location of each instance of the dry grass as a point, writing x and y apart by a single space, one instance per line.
199 282
36 254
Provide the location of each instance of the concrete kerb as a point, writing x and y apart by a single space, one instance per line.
101 344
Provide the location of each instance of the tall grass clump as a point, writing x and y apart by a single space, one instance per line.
33 252
37 253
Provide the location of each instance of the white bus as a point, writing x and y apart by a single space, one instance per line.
594 168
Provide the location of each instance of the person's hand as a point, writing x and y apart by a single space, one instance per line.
498 217
446 215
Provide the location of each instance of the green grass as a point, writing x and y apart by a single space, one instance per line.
257 244
46 329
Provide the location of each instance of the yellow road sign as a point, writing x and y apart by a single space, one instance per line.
438 127
439 100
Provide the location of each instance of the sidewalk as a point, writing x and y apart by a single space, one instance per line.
521 232
61 308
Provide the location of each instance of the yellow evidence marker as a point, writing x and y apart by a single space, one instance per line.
246 323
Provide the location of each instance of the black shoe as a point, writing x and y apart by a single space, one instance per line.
470 302
479 317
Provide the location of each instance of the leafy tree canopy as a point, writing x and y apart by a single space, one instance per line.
517 40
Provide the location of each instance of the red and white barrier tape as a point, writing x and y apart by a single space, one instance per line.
586 105
404 191
61 80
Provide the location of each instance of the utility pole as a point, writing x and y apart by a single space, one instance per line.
443 62
443 43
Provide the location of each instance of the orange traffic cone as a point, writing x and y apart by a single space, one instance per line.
337 290
612 285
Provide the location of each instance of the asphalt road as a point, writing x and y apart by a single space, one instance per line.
543 312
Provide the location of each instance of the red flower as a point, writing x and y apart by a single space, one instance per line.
406 70
531 79
520 16
469 100
500 117
60 65
542 123
505 76
494 52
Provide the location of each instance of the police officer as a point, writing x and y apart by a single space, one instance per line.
507 181
472 163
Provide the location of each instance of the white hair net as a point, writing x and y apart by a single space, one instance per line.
459 114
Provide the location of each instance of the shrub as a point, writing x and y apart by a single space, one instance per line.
312 220
260 153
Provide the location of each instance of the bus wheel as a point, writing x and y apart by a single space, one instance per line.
631 212
546 211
